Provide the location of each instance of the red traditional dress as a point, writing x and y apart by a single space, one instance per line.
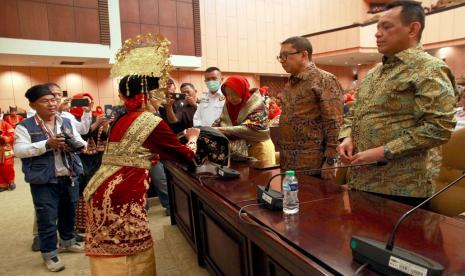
13 119
117 223
7 171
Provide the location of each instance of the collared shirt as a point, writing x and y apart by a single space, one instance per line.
209 109
82 126
24 148
407 105
312 108
183 111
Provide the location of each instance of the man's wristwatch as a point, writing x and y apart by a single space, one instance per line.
387 153
330 161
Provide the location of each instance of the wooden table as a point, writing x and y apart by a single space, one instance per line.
313 242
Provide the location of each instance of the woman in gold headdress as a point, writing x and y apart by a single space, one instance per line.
118 239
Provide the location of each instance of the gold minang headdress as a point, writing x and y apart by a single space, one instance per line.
144 55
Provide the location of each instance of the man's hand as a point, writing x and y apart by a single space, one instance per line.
169 102
56 143
368 156
89 107
328 174
191 101
346 150
64 105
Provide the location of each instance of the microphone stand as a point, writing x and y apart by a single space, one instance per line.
387 259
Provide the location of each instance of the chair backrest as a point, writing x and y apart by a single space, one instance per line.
453 152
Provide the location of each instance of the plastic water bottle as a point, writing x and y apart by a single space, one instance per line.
290 191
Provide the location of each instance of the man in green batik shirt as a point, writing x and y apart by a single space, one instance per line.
404 109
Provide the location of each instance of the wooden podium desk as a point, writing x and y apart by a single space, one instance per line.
313 242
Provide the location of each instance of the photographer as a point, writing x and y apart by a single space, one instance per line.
180 108
46 144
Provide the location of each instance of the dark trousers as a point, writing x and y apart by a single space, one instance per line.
55 206
158 175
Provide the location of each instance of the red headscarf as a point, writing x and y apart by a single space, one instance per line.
273 110
77 111
264 90
240 86
98 111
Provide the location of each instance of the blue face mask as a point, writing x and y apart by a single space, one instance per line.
213 85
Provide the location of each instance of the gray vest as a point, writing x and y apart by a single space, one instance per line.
41 169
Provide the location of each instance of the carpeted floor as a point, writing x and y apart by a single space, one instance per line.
174 256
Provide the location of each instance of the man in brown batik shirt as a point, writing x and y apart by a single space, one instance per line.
312 108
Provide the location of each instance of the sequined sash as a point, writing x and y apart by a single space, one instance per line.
127 152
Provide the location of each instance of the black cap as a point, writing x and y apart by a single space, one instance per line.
37 91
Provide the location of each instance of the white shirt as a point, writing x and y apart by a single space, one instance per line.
82 127
24 148
209 109
460 117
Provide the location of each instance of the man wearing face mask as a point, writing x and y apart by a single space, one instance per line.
211 103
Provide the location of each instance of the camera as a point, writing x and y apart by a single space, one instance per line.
72 142
178 96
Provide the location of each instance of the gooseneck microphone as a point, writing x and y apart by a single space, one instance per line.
387 259
273 200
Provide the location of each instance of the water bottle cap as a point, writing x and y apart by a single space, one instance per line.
290 173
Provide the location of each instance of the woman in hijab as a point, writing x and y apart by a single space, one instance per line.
244 120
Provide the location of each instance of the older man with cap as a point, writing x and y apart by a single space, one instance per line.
46 144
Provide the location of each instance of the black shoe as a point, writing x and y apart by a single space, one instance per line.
36 244
80 238
167 212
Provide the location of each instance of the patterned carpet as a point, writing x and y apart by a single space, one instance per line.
174 256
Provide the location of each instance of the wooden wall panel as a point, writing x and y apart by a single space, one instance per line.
38 75
55 20
129 30
149 11
33 20
184 15
172 34
129 11
187 43
6 85
92 4
173 19
61 2
61 23
10 18
168 13
85 22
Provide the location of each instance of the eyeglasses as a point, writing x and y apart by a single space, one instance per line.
284 56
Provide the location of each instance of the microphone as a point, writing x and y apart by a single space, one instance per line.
273 200
387 259
226 172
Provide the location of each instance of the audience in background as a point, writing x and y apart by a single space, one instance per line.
245 122
13 118
211 102
7 170
179 109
